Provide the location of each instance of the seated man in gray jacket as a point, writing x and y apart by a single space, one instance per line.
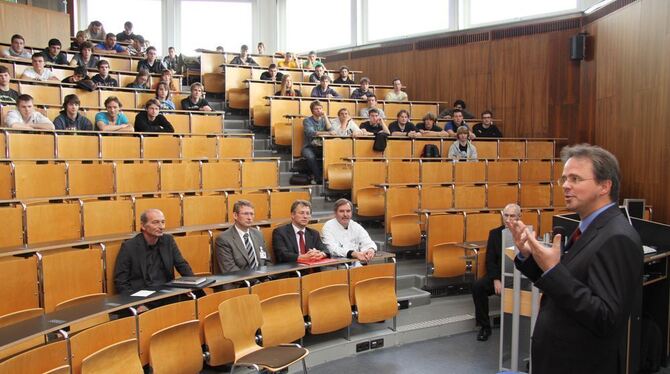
241 247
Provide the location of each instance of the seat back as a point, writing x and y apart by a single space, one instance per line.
180 176
96 338
91 178
478 225
502 171
63 280
403 171
260 174
437 172
162 146
107 217
221 175
204 209
38 360
512 149
329 308
405 230
64 222
448 260
235 147
196 249
376 299
19 287
280 202
240 318
119 357
367 174
176 349
211 333
499 195
137 177
282 319
198 147
472 172
159 318
12 228
169 205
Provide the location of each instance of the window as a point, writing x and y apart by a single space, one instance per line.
146 16
208 24
317 24
389 19
489 11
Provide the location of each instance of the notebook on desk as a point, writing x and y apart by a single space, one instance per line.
190 282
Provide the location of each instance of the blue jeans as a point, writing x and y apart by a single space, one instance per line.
313 155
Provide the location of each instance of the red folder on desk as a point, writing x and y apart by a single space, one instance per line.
315 262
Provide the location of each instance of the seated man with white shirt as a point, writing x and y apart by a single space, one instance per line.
346 238
241 247
25 117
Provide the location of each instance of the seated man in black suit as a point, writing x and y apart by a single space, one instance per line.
297 241
490 284
148 259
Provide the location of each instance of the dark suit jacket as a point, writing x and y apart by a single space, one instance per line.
231 254
493 253
285 243
131 266
587 299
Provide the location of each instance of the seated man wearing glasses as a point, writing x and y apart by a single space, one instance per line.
490 284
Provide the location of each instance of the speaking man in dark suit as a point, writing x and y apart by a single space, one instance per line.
149 259
241 246
295 240
589 292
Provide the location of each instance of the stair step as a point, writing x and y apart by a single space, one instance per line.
411 280
415 296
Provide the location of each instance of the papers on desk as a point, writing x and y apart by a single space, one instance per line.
648 250
142 293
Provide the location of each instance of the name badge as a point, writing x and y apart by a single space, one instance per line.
264 255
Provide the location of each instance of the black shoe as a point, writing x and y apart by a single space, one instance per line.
484 334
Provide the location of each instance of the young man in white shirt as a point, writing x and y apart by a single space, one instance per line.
38 72
346 238
25 117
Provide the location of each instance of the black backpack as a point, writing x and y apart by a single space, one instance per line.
380 141
430 151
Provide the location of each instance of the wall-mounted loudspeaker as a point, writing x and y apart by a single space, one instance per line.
578 46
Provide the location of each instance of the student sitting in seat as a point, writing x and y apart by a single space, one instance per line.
166 76
70 118
261 48
272 74
319 72
17 50
137 48
38 72
312 148
288 61
163 96
344 76
396 94
458 105
79 40
7 95
456 123
322 90
372 104
151 120
141 80
429 127
244 58
111 46
346 238
103 78
402 126
363 92
127 33
85 57
95 31
487 129
344 125
25 116
195 101
375 124
171 61
53 54
152 63
286 88
79 73
113 119
312 62
462 148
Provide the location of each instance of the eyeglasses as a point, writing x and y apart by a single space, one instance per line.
510 215
573 179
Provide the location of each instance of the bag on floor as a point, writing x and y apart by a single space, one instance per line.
299 179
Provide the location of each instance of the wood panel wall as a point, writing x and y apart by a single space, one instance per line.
618 97
529 81
625 91
36 25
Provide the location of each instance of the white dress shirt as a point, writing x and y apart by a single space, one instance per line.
340 240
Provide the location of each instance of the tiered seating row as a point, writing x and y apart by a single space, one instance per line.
66 145
25 179
53 94
55 223
324 299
